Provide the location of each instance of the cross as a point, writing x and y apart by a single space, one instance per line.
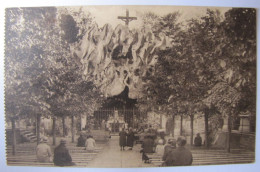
126 18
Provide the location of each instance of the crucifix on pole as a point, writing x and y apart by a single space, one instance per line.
126 18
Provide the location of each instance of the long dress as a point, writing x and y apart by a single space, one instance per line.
122 138
81 141
130 139
62 156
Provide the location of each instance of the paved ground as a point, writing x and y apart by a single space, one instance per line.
113 157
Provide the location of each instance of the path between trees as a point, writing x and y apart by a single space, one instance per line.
113 157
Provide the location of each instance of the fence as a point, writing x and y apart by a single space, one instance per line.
130 116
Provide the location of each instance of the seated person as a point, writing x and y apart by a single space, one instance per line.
43 151
169 147
147 146
62 156
198 140
180 156
90 144
81 141
159 150
160 136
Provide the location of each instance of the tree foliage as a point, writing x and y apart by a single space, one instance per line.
212 62
42 76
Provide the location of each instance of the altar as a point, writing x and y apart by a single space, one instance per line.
115 123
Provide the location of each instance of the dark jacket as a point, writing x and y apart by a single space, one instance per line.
122 138
81 141
148 145
62 156
167 150
179 157
130 139
197 141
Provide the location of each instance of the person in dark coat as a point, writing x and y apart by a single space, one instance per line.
62 156
130 138
81 141
180 156
122 139
117 126
198 140
147 146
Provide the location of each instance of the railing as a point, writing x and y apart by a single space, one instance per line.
130 116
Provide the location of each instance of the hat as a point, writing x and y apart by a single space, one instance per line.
181 141
160 142
44 139
161 130
62 141
170 139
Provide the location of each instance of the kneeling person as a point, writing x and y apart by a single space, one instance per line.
180 156
62 156
43 151
90 144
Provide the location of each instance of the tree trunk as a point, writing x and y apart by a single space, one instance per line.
38 127
72 129
181 125
191 129
80 122
173 121
206 129
229 133
14 137
63 127
54 131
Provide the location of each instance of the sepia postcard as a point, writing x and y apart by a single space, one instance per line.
130 86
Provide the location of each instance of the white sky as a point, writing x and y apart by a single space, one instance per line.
109 14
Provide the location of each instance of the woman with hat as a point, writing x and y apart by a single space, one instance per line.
147 146
159 150
62 156
130 138
81 140
122 139
198 140
43 151
90 144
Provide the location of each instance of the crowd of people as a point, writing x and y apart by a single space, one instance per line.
173 152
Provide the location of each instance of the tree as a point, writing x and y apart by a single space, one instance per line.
25 55
41 72
207 61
